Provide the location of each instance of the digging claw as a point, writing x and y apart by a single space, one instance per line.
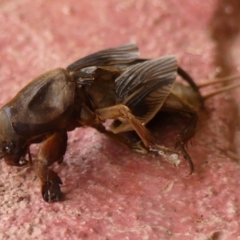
51 192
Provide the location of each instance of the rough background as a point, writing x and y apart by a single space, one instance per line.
110 192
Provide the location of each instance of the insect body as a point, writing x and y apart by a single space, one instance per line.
110 84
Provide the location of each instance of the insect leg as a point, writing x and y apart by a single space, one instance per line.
88 117
115 137
52 150
184 136
122 111
174 103
125 140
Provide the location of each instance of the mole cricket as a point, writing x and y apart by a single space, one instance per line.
110 84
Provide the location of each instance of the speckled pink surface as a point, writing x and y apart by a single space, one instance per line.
110 192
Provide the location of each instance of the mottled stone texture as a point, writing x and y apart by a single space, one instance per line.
110 192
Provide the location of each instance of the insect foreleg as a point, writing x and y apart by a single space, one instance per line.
52 150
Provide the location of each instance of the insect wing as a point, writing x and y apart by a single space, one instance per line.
113 56
141 74
144 88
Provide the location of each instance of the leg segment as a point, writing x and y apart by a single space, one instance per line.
115 137
124 139
122 111
52 150
185 135
175 103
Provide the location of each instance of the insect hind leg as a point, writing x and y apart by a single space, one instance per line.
132 141
184 136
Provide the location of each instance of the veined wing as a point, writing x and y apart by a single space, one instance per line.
109 57
144 88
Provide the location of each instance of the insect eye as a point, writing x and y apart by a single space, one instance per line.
6 149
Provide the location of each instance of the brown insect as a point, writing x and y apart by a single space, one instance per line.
110 84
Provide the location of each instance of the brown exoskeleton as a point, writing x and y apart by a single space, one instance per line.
109 84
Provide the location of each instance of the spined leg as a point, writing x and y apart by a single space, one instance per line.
122 111
136 145
176 104
184 136
52 150
124 139
116 137
95 119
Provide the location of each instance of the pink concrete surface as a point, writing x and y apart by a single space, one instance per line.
110 192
